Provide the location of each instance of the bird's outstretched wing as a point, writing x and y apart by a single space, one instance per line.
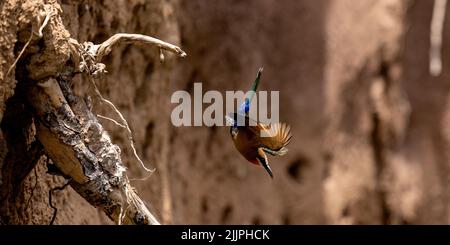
229 120
274 137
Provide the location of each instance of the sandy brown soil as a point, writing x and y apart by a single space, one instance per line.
369 123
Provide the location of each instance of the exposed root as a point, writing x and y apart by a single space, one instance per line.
106 46
88 56
33 189
70 133
112 120
50 194
20 54
437 24
88 59
134 200
82 150
124 123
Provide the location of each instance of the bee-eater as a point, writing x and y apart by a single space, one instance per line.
254 140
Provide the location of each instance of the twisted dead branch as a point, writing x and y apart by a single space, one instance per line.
82 150
138 39
74 139
88 57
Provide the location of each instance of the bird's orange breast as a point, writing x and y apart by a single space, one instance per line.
246 143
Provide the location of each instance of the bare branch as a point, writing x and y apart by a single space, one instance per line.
112 120
125 124
88 57
82 150
20 54
105 48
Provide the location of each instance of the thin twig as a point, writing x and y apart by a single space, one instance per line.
123 213
145 178
33 189
50 194
91 55
437 24
124 122
112 120
20 54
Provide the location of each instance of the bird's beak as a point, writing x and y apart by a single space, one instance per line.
267 168
265 164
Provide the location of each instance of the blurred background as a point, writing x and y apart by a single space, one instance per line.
370 124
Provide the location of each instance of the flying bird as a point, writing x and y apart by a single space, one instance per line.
254 139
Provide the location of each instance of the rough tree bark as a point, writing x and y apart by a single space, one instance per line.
82 150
